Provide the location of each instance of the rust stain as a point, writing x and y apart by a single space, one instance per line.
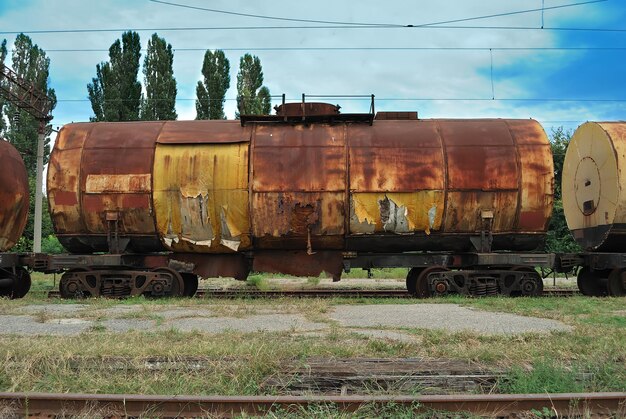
305 206
300 263
213 265
63 181
532 220
107 168
294 214
466 208
306 109
395 156
483 168
202 132
65 198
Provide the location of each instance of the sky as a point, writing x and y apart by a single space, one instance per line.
559 77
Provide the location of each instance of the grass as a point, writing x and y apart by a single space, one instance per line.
590 358
543 377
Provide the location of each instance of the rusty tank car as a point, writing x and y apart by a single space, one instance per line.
304 191
14 202
593 200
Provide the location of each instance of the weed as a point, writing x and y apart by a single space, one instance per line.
97 328
42 316
543 377
313 281
256 280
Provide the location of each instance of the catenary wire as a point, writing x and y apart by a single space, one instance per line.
229 28
517 12
583 48
432 25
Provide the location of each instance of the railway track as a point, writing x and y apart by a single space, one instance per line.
232 293
125 405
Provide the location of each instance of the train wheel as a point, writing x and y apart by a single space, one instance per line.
411 280
190 282
18 284
22 283
70 287
616 285
178 286
422 288
532 284
592 283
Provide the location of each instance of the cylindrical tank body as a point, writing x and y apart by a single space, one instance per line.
14 199
220 187
592 183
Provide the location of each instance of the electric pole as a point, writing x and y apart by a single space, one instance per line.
25 95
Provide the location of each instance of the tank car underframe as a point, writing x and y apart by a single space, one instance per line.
430 273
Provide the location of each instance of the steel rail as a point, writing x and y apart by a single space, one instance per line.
232 293
124 405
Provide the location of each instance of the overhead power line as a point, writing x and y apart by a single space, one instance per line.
232 28
284 19
400 99
362 49
326 24
517 12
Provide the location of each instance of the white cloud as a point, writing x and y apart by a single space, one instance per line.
388 74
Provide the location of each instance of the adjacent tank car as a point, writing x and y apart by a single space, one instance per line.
14 202
594 203
303 191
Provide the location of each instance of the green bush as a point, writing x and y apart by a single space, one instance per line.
51 244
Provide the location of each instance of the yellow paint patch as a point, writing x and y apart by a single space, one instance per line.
201 197
399 212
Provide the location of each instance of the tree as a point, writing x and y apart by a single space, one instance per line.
558 142
160 101
210 92
252 96
115 92
30 63
265 100
559 238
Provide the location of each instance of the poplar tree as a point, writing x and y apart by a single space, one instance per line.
211 91
115 92
160 101
252 97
